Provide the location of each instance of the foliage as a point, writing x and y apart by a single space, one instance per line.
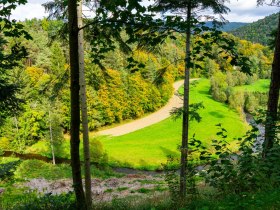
245 171
7 169
249 97
40 169
34 169
11 52
115 94
97 153
258 32
20 199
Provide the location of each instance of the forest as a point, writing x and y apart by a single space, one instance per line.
260 31
73 91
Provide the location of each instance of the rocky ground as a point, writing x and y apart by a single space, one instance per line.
105 189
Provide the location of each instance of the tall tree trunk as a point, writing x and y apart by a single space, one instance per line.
273 97
51 135
75 104
185 125
83 101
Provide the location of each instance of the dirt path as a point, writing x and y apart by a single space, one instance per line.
163 113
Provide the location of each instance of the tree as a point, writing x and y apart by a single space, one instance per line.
110 20
273 97
75 103
9 59
83 101
188 8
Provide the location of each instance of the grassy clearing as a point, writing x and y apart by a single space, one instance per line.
148 148
262 86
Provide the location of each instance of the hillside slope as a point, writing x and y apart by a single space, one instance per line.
259 31
228 26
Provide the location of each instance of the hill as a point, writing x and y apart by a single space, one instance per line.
259 31
228 26
233 26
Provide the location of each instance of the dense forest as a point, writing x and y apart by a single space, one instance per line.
260 31
67 77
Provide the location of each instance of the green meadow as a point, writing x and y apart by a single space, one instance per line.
261 85
149 147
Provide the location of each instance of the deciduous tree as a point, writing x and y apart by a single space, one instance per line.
75 103
188 8
273 97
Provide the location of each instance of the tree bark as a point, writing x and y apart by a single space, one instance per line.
75 105
83 101
273 97
185 125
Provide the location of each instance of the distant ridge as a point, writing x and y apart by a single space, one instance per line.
228 26
259 31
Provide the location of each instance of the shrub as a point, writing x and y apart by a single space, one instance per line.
237 100
7 169
219 87
40 169
21 199
97 153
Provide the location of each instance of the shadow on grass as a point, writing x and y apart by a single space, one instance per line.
204 92
168 152
217 114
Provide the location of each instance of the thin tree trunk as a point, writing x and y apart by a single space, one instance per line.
51 137
17 136
273 97
185 125
83 101
75 105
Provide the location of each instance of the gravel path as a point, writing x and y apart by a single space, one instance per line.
163 113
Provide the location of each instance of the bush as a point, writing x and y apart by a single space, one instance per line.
237 100
40 169
21 199
7 169
219 87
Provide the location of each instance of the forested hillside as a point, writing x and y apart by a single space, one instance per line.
230 26
115 92
259 31
69 77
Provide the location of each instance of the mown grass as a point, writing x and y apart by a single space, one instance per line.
261 85
149 147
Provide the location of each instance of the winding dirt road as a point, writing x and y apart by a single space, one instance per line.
163 113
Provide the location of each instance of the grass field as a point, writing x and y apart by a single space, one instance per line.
148 148
261 85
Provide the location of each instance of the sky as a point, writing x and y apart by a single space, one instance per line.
241 11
